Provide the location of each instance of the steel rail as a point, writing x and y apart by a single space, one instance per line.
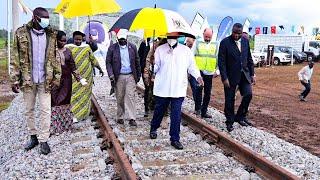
123 165
246 156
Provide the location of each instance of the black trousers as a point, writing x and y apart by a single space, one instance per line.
201 103
307 89
246 92
148 97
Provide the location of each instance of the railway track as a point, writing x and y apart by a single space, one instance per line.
207 154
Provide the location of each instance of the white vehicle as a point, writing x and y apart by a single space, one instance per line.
258 58
278 56
312 49
298 42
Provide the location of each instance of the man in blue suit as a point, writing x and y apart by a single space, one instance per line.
237 72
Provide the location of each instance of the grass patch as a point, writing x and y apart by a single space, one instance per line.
3 68
2 43
4 105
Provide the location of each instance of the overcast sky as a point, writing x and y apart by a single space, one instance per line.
260 12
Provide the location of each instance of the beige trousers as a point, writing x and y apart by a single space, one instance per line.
45 111
125 91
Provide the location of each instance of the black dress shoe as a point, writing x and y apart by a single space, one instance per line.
32 143
248 122
243 123
206 116
44 148
153 134
176 144
120 121
132 122
146 114
197 112
229 127
184 123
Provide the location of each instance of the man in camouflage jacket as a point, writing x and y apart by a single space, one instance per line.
35 70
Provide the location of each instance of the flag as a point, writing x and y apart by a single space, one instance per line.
293 29
302 29
265 30
205 25
197 23
257 30
281 27
273 29
224 28
246 26
315 31
24 8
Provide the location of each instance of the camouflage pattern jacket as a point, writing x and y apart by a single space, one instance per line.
147 73
21 60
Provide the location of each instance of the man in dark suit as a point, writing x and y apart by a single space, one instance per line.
237 72
143 52
123 68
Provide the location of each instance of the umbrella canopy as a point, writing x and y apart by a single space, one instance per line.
95 27
154 21
75 8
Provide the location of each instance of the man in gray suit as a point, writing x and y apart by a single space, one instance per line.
123 68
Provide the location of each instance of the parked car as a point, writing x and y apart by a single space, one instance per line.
258 58
278 56
298 57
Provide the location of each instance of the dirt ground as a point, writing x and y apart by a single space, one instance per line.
275 106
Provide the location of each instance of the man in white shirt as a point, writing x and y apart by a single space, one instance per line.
305 76
173 62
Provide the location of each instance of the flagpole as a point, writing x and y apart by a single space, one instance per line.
8 38
61 22
15 15
77 23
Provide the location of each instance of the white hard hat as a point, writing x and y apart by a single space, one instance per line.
122 33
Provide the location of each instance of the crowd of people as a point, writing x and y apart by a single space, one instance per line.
61 75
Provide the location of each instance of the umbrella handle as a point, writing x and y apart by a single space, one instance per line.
89 26
153 37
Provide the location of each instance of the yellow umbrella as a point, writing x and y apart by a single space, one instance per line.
155 22
74 8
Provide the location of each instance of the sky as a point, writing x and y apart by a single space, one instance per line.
260 12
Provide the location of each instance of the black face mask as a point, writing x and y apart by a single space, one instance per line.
122 42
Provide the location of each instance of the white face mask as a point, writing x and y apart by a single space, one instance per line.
95 37
44 22
124 46
172 42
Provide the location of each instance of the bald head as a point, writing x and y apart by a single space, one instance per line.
207 34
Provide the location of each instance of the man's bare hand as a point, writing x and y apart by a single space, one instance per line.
226 83
253 80
15 88
200 81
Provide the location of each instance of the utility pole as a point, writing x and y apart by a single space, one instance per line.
9 36
15 15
